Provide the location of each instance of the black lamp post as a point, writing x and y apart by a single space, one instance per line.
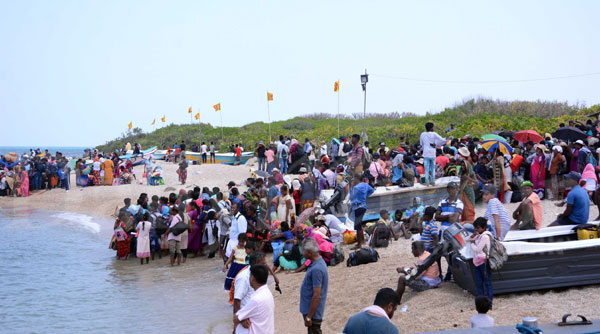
364 78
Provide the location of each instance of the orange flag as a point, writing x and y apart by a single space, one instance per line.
190 110
130 125
269 96
197 116
217 106
153 121
163 119
336 86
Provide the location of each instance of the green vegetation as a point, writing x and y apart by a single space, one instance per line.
473 117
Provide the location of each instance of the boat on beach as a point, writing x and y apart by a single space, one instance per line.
138 159
551 257
159 154
220 158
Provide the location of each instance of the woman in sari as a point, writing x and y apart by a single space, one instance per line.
309 192
122 239
24 182
538 171
499 177
108 167
197 224
467 180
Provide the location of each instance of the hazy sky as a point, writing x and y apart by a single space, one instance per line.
76 72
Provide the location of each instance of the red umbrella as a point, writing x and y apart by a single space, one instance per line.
528 135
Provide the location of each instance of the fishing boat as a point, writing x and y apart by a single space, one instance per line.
159 154
220 158
551 257
138 159
392 198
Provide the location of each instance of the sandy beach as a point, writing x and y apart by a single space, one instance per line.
350 289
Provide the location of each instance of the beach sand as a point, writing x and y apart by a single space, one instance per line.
350 289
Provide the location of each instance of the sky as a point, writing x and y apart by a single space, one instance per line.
75 73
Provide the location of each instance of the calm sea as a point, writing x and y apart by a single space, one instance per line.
69 151
58 276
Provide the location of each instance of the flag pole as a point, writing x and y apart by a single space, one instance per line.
338 113
269 115
221 115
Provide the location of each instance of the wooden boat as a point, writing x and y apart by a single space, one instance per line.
220 158
159 154
395 197
552 257
138 159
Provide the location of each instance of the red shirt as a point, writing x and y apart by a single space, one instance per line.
238 152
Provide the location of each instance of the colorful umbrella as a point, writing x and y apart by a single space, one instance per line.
528 135
493 144
493 136
304 215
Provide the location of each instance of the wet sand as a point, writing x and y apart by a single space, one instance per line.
350 289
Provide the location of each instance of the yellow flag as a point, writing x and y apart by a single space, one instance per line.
197 116
130 125
153 121
190 110
163 119
336 86
269 96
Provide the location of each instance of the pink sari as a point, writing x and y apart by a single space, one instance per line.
24 184
539 181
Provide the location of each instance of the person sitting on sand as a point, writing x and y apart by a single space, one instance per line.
482 305
528 214
578 203
375 319
429 279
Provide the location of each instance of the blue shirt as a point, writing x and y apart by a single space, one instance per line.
316 276
364 323
580 200
359 195
397 174
429 230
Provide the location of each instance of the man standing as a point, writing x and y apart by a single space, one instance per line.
212 152
358 197
239 225
258 315
238 154
578 203
283 151
204 151
429 142
313 292
260 154
375 319
355 156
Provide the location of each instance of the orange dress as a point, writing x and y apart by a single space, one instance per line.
108 167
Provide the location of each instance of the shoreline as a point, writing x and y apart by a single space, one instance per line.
350 289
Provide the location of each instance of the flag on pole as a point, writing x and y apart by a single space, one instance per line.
269 96
153 121
163 119
190 110
197 116
130 125
217 106
336 86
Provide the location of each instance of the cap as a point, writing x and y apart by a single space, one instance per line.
526 184
573 175
382 144
452 185
490 188
302 170
464 152
340 166
321 218
580 142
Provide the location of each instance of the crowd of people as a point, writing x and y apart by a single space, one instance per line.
241 224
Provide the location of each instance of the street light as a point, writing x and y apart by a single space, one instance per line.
364 78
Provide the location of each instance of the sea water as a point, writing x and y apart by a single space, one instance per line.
68 151
57 275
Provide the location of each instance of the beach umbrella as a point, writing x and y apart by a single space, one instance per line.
493 144
528 135
304 215
569 133
493 136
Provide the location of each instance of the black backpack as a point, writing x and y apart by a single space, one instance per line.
160 225
381 235
338 255
347 147
362 256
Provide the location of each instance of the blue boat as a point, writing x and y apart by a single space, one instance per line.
138 159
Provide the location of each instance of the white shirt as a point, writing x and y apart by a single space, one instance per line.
428 138
261 312
239 225
212 148
324 149
336 227
243 290
481 320
203 149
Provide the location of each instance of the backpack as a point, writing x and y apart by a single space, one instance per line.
347 147
362 256
298 152
338 255
284 154
366 158
497 255
139 216
381 235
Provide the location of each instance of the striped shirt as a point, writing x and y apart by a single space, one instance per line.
447 208
494 207
429 230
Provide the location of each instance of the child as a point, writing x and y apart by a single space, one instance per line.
483 276
237 261
143 239
250 248
429 231
481 319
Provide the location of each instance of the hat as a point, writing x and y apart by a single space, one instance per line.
490 188
321 218
420 161
302 170
340 166
296 184
580 142
261 142
573 175
452 185
526 184
275 170
382 144
464 152
541 147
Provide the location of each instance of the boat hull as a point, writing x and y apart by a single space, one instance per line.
220 158
139 159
